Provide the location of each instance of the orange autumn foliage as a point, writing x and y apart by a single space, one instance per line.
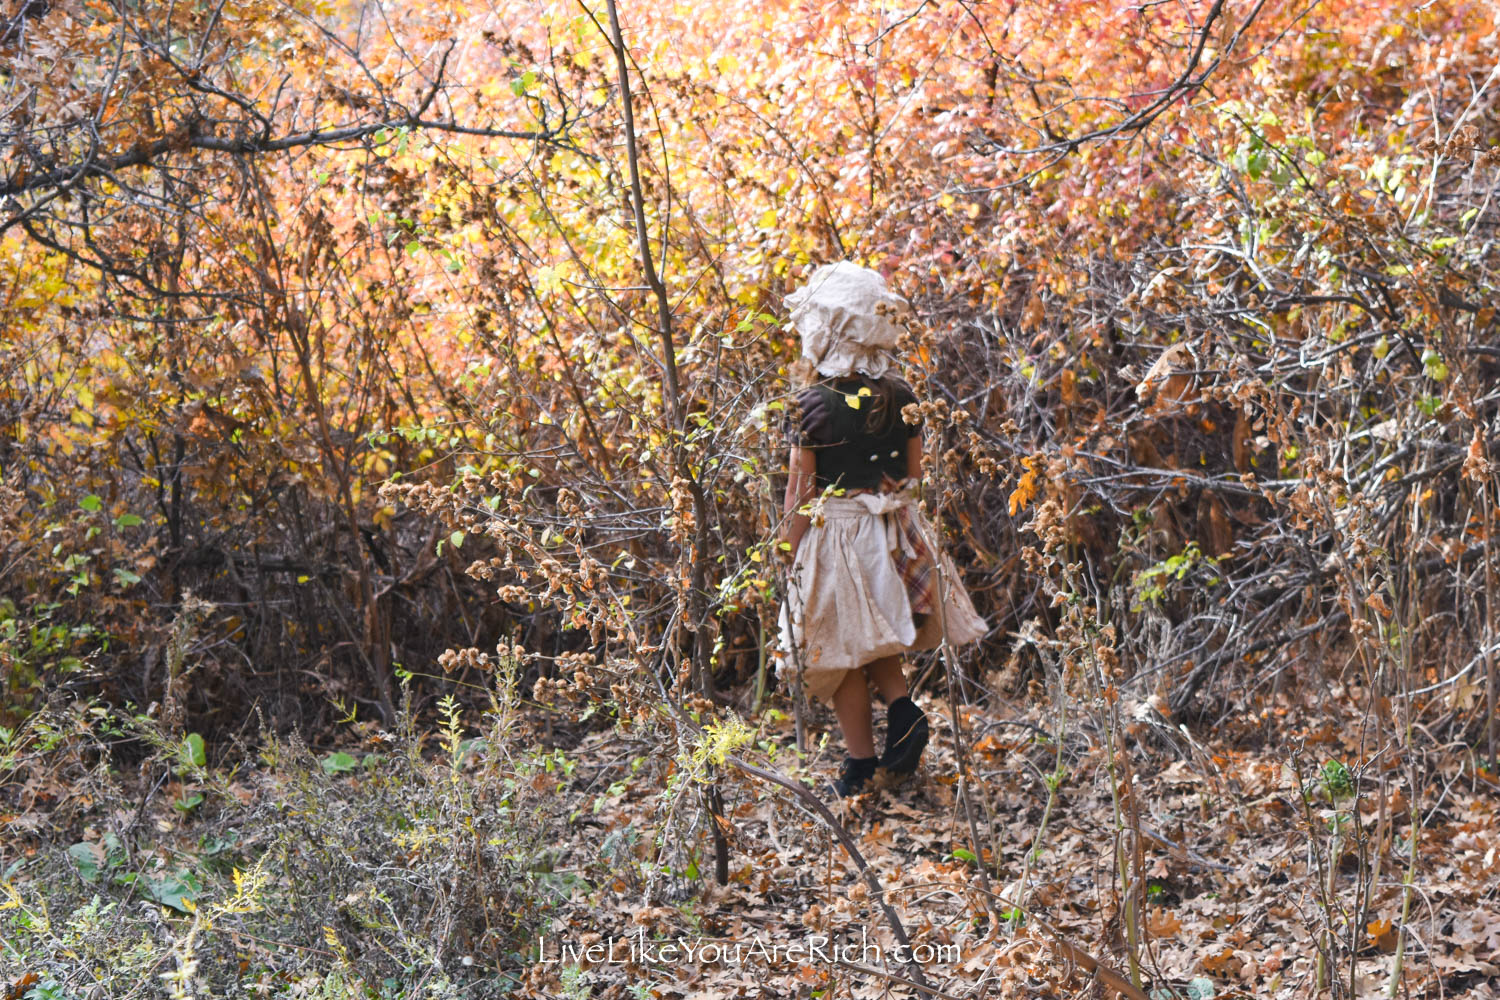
247 283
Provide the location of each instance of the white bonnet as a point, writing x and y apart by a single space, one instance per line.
843 315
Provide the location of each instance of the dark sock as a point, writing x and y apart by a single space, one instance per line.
906 735
903 712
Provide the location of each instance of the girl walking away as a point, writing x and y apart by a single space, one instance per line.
868 579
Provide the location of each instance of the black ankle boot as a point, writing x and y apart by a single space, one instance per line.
855 774
906 735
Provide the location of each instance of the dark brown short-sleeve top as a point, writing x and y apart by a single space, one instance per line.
832 425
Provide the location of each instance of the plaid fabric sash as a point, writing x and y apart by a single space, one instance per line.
913 562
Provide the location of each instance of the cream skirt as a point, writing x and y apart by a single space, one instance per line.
866 566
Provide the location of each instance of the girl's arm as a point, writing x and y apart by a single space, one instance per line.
801 486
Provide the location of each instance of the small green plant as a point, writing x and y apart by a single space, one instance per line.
1201 988
35 645
576 983
339 763
1149 585
719 740
1337 780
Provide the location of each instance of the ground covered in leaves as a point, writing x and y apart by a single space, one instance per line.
530 855
1250 834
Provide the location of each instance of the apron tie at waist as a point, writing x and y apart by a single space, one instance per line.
902 534
860 504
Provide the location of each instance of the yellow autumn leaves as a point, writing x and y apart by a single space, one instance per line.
853 400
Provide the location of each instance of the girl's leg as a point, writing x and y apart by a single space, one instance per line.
851 703
888 677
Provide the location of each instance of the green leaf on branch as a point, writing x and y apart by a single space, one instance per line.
192 752
1433 365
